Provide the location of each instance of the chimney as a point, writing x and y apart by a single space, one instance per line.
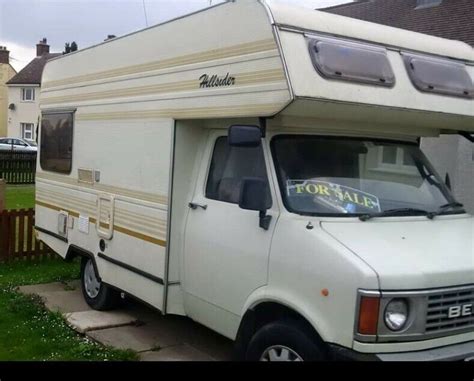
4 55
42 47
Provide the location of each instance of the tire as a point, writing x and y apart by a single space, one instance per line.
285 340
96 294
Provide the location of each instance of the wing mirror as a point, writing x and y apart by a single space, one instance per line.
244 136
255 195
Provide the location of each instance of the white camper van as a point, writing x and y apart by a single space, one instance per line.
257 168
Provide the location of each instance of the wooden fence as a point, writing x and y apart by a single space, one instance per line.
17 237
18 167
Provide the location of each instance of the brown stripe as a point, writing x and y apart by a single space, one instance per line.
143 196
128 232
271 75
200 57
183 113
57 208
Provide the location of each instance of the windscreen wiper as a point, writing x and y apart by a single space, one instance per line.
443 208
468 135
396 212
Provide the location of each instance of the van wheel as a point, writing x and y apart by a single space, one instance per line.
97 295
284 340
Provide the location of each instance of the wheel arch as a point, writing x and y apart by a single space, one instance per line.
264 311
76 251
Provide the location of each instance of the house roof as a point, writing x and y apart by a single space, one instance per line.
451 19
31 73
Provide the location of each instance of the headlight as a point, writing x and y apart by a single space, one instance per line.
396 314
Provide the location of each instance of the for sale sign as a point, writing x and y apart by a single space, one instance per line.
340 197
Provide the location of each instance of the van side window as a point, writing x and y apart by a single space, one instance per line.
229 166
56 142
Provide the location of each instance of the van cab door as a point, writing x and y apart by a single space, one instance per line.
226 252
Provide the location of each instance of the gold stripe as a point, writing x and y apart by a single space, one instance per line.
274 75
143 196
244 110
214 54
120 229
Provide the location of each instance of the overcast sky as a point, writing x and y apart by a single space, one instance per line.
24 22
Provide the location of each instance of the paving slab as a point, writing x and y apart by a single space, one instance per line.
165 332
65 301
74 284
182 352
210 342
39 288
172 330
85 321
138 339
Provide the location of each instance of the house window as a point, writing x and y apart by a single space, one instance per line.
27 131
396 159
56 142
421 4
28 94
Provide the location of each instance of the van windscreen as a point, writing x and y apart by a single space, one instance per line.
347 176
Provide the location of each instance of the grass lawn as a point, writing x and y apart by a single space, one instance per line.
20 196
29 332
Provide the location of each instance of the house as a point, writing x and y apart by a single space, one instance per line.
451 19
6 73
23 95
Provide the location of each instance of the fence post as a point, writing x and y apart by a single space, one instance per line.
2 195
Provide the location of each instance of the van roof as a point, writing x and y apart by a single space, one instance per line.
303 19
275 71
294 17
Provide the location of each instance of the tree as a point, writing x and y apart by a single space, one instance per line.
70 47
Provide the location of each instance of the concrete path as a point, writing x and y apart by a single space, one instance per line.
134 326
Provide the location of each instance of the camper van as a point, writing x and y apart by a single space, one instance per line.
257 167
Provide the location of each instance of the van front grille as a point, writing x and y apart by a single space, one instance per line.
439 304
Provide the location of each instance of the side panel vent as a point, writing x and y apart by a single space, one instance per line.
85 176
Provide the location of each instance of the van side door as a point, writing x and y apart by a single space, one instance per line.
226 252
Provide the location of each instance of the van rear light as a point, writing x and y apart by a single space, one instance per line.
368 315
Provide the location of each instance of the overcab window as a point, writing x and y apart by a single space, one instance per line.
351 61
439 75
56 142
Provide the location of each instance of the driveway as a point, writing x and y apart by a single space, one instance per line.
134 326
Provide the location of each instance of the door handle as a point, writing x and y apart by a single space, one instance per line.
194 206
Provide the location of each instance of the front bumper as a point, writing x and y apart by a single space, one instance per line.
456 352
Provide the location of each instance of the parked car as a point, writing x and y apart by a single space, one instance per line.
18 144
